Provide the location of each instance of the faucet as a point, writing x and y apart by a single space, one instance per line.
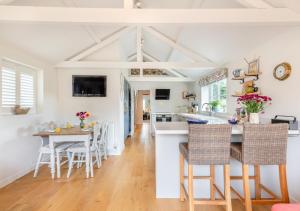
210 108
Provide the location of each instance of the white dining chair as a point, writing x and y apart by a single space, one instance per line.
80 150
103 140
44 156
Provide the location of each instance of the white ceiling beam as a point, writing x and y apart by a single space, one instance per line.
128 4
158 79
147 16
113 37
188 52
261 4
153 59
137 65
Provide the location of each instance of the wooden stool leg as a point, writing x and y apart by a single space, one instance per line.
283 184
190 187
227 187
212 182
257 182
181 163
247 195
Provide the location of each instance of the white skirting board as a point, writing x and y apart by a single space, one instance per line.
12 178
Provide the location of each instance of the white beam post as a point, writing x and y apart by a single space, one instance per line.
191 54
261 4
139 55
147 16
136 65
115 36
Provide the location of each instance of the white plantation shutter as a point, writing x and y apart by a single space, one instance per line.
8 88
27 92
18 83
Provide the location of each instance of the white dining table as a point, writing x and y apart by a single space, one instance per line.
72 135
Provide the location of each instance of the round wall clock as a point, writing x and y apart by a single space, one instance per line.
282 71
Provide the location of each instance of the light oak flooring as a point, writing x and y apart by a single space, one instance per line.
123 183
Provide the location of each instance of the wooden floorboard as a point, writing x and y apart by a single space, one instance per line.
123 183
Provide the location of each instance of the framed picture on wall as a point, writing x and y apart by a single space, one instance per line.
253 67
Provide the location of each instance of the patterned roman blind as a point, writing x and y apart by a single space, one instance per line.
217 75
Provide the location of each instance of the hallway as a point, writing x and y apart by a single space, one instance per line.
123 183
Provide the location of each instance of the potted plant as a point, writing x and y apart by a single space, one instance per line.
82 115
214 105
254 104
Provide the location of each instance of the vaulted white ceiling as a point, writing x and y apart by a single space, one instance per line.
220 43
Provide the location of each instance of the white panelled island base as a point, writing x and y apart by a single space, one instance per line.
168 135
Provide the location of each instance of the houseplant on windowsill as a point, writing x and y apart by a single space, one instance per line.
82 115
214 105
254 104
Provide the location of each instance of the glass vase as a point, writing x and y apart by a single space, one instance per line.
81 124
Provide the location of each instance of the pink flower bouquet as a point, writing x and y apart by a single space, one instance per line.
254 103
82 115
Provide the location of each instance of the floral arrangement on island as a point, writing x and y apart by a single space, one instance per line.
83 115
253 105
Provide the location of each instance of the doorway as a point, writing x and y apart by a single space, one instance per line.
142 107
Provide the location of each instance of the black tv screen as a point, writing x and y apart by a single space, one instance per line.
162 94
89 86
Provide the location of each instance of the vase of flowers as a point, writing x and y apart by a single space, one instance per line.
82 115
254 104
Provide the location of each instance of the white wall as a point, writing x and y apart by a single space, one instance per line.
176 89
102 108
286 94
18 148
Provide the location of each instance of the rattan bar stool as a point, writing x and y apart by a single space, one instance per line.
207 145
263 144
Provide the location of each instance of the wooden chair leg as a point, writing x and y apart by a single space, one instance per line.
283 184
227 187
247 196
181 163
212 182
257 182
190 187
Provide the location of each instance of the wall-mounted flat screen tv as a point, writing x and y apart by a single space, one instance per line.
89 86
162 94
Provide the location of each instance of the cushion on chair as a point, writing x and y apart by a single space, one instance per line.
184 149
59 148
80 147
286 207
236 151
62 147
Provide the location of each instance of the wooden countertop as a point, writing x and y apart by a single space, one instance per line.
64 132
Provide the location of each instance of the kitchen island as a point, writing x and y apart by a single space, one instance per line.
168 135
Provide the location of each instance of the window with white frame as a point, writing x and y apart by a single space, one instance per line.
18 86
215 93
